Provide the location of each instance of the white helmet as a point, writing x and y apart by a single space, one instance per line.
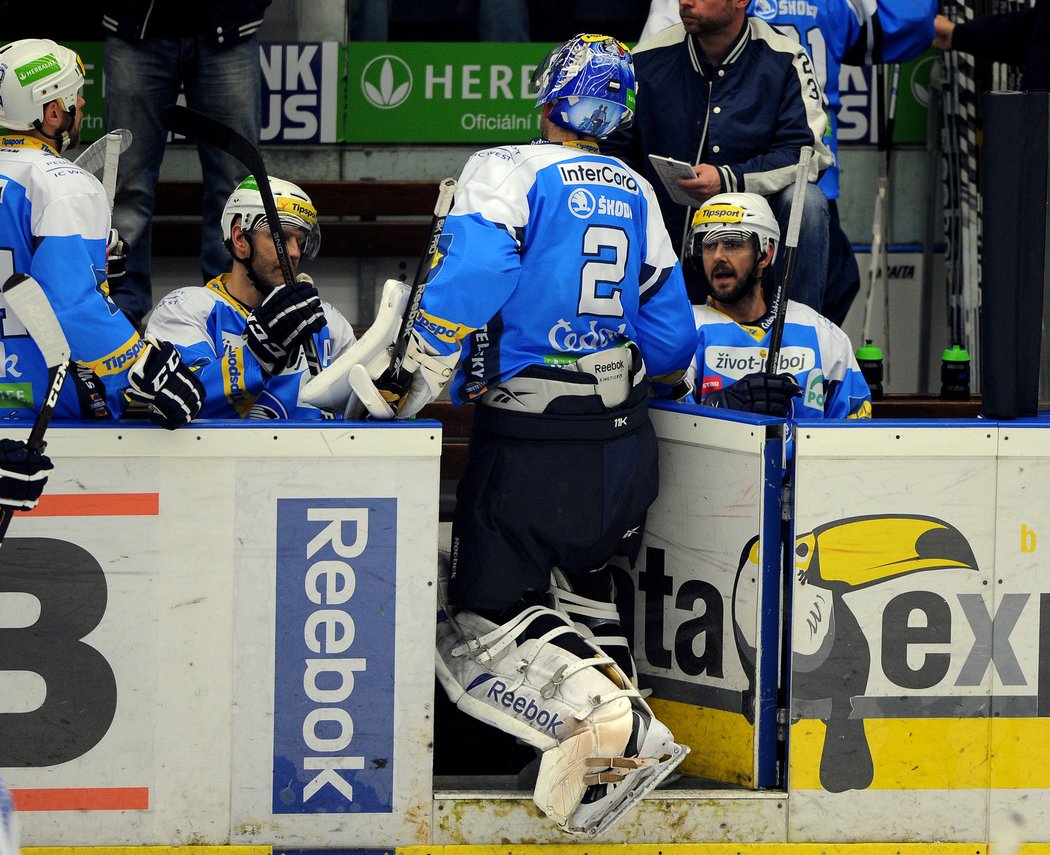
34 72
729 214
294 209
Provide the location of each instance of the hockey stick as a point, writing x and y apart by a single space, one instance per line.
114 145
27 300
393 380
205 129
877 260
426 261
93 158
780 297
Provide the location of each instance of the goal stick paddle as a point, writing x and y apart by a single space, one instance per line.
780 296
426 262
27 300
93 158
393 382
205 129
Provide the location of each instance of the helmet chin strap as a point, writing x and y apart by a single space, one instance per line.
61 139
253 276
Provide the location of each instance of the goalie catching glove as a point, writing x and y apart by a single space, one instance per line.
285 320
165 384
22 475
761 393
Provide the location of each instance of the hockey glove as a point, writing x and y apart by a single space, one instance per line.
762 393
283 323
22 475
424 374
116 256
165 384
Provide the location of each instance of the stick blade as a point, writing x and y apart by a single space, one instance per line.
31 306
203 128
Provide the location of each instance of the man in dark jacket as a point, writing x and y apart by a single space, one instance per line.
1017 38
153 48
728 93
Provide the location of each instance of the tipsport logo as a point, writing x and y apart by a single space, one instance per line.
386 82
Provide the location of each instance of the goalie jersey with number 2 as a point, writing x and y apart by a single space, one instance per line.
527 217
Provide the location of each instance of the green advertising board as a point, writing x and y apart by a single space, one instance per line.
473 93
93 126
477 93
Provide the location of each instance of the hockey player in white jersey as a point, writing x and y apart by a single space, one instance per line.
243 331
555 296
54 226
734 239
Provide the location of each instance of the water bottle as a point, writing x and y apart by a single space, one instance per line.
955 373
869 358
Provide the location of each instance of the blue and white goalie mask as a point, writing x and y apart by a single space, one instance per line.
590 80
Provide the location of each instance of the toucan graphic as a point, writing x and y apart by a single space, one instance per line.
830 655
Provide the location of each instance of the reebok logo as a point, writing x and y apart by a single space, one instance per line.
523 707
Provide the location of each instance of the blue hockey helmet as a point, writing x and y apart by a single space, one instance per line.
590 80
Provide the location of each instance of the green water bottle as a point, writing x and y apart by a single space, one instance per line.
955 373
869 358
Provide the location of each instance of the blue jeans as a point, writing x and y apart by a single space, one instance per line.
141 79
808 280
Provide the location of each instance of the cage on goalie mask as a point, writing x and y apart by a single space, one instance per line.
732 215
294 209
34 72
590 81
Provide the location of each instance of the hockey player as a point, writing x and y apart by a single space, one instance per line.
54 226
243 331
733 244
836 33
555 294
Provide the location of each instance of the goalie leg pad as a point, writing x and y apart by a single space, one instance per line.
597 620
519 681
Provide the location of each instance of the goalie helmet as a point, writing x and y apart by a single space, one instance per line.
34 72
590 80
294 209
735 214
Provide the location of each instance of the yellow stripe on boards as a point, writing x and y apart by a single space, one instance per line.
147 850
708 849
948 754
722 743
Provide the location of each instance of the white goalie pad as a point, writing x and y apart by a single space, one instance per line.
331 390
596 620
582 713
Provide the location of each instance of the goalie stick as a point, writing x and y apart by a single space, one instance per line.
27 300
426 261
93 158
780 296
393 380
205 129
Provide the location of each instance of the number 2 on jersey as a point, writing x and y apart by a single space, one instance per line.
600 277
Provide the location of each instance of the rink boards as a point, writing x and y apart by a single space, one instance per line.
228 636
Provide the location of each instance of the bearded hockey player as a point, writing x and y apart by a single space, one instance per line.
243 331
734 238
555 295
